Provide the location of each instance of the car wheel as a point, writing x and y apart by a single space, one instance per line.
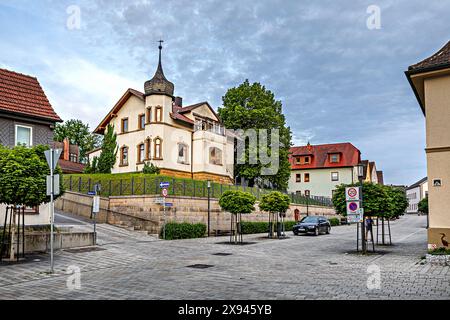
328 230
316 231
295 233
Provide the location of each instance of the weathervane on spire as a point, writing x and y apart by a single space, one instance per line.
160 44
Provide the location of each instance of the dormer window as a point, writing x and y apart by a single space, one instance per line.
303 160
335 158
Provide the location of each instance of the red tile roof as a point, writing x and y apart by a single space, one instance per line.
70 167
23 94
349 155
437 60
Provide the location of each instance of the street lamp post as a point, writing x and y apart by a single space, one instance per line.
209 206
363 228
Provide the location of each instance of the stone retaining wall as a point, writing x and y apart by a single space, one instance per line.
143 213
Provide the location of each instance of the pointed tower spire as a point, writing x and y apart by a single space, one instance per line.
159 84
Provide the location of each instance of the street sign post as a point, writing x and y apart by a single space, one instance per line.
164 193
52 157
95 210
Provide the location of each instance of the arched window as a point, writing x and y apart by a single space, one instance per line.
140 153
215 156
158 148
147 149
149 114
124 156
158 114
183 153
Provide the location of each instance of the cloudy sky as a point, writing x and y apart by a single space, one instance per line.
338 80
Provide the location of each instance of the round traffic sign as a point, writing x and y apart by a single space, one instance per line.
164 192
352 192
353 206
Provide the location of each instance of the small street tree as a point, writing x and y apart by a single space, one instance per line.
383 202
108 156
237 202
276 204
23 174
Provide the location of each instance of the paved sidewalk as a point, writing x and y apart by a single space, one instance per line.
302 267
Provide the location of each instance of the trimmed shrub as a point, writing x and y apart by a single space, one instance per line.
184 230
334 221
262 227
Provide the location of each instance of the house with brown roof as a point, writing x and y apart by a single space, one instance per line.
318 169
370 172
26 118
26 115
154 127
69 160
430 82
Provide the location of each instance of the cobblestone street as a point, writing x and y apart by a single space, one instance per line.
302 267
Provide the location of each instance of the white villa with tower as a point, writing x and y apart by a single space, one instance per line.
154 127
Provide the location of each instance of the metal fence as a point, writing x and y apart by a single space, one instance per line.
142 185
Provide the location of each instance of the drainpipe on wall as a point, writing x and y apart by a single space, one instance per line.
192 154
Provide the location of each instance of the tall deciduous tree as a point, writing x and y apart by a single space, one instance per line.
108 156
78 133
252 106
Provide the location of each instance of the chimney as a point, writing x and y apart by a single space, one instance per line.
66 149
179 101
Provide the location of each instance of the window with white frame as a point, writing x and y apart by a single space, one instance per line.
335 176
215 156
24 136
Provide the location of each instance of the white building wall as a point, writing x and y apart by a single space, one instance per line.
320 183
42 218
414 197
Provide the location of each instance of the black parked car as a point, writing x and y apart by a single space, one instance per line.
312 224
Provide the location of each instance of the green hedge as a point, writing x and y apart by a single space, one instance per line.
262 227
334 221
184 230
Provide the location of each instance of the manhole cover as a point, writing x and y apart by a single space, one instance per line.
200 266
222 254
82 250
238 243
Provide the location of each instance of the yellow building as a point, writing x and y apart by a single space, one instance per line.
430 81
154 127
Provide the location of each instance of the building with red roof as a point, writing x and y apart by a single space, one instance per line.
26 115
318 169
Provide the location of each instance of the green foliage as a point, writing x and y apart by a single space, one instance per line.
262 227
91 168
396 202
275 201
23 174
108 155
252 106
150 168
237 202
423 205
439 251
175 230
334 222
78 133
